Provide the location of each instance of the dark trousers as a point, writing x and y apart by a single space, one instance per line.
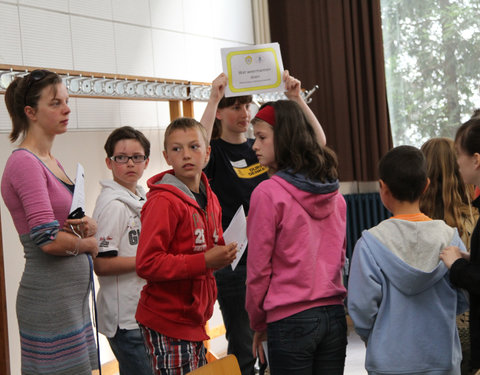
231 298
129 349
311 342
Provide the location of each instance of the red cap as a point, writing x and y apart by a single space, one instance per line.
267 114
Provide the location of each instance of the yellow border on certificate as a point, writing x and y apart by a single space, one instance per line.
254 88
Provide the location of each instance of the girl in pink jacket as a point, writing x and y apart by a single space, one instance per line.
296 231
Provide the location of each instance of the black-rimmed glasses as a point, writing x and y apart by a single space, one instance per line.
123 159
34 76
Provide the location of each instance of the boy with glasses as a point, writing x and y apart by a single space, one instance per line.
117 212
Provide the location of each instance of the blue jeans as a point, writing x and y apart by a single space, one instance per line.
313 341
129 349
231 287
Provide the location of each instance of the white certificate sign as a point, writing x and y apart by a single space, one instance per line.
79 192
237 232
253 69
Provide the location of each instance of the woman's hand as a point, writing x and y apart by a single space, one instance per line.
84 227
257 347
450 254
89 245
465 255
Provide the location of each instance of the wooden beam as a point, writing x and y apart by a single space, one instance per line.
23 68
4 349
175 110
187 108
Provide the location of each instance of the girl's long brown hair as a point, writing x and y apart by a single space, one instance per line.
448 197
296 145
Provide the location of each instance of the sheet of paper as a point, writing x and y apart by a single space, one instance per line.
265 350
253 69
79 192
237 232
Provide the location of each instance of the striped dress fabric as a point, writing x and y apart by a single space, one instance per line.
53 314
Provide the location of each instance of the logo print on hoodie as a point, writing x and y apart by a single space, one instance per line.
133 231
199 232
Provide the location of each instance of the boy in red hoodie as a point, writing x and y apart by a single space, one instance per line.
180 246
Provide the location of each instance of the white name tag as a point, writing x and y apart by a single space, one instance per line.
239 163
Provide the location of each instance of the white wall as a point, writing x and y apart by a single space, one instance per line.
176 39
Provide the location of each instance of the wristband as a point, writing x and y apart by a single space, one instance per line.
77 248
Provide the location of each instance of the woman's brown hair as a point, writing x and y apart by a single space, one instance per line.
25 91
468 136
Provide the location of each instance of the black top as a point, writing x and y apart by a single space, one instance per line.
201 199
70 187
466 275
233 172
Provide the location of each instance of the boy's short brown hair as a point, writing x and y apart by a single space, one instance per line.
184 123
126 132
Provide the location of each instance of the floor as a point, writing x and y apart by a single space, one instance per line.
354 363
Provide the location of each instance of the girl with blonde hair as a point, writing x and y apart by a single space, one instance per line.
448 198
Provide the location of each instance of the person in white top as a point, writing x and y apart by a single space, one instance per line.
117 212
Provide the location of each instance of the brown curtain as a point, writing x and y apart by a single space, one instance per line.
337 45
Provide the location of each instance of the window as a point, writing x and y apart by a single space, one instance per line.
432 64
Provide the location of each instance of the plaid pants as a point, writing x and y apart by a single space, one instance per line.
170 356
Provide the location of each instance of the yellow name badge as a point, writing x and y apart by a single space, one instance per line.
253 69
251 171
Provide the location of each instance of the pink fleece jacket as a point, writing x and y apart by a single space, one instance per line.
296 249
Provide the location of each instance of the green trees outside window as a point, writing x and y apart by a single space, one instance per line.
432 63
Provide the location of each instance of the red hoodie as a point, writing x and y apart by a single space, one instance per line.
178 298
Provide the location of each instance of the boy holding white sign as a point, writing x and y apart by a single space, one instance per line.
233 171
180 245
